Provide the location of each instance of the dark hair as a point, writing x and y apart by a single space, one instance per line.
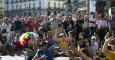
44 43
88 40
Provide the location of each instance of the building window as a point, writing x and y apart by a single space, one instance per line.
58 5
29 5
12 7
12 1
7 2
69 1
16 1
20 7
20 0
7 8
25 5
39 5
48 4
16 7
54 5
33 5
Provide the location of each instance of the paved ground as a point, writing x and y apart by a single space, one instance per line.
12 58
23 58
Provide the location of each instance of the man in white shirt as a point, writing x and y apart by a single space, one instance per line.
103 28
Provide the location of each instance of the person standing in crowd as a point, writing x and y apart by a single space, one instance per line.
65 24
110 40
36 22
12 29
8 29
29 24
60 25
45 25
71 23
78 27
5 31
54 24
92 25
44 52
86 29
18 25
23 25
113 15
102 24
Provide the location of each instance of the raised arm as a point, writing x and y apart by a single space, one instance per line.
55 36
35 57
82 54
85 56
105 49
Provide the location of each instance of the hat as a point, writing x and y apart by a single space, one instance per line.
93 37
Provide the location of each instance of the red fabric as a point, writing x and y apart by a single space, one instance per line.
28 24
36 23
97 28
25 42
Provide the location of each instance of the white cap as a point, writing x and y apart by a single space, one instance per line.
93 37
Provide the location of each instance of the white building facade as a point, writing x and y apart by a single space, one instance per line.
71 5
1 8
31 7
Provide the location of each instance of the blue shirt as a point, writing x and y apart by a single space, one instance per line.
47 53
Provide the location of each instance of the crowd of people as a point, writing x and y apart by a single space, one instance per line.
71 35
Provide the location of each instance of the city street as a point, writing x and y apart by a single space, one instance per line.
57 29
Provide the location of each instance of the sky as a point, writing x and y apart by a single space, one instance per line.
92 6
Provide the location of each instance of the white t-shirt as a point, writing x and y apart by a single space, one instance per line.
3 26
102 23
8 28
92 24
95 45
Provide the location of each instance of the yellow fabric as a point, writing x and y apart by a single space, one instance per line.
21 39
64 44
111 55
